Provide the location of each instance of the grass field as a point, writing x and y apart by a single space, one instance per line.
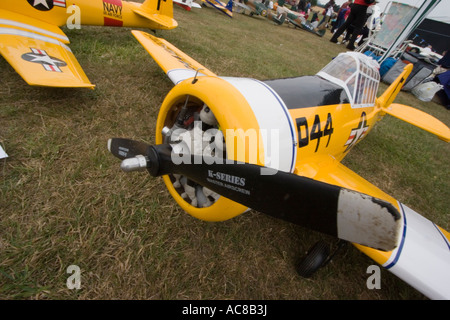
64 200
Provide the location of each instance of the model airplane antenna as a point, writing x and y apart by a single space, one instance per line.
196 74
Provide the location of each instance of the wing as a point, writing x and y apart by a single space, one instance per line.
334 173
422 256
38 52
177 65
241 5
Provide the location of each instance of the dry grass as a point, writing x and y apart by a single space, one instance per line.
64 200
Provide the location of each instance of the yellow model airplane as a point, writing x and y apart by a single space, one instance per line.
32 42
226 144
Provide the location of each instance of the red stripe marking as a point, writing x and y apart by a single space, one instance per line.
116 2
112 22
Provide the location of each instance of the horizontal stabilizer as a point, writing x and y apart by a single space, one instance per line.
164 22
158 12
177 65
419 119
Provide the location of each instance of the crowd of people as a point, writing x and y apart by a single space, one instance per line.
354 23
349 18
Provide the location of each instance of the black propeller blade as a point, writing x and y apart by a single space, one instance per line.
323 207
126 148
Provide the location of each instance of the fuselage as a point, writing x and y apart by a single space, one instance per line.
304 123
325 122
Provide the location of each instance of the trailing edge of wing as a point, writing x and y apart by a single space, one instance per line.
419 119
177 65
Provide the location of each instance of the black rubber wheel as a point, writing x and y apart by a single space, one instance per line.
314 259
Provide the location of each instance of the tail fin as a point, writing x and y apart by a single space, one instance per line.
389 95
411 115
229 5
219 5
160 12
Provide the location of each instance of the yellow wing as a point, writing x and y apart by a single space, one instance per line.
38 52
421 257
419 119
177 65
333 172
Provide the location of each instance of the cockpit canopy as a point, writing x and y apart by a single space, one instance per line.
357 74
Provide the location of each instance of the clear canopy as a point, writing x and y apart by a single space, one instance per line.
358 74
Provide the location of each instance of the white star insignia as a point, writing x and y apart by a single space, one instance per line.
43 2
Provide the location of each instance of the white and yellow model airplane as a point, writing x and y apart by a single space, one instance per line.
34 45
187 4
226 144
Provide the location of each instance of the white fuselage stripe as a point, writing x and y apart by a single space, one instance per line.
273 119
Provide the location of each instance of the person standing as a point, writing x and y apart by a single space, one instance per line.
357 18
342 15
328 12
308 7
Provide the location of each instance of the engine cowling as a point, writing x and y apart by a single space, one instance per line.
255 125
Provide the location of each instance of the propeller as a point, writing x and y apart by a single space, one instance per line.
323 207
126 148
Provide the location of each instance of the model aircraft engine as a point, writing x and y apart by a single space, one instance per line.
225 118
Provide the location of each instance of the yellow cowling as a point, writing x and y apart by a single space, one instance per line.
231 111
